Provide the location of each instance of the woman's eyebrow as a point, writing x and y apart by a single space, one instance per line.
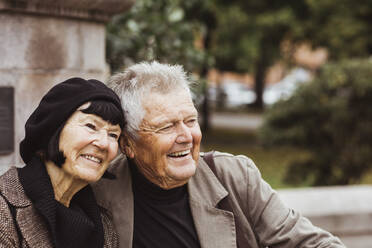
115 129
100 122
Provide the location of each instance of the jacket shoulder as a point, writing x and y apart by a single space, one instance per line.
11 188
235 166
8 233
240 175
241 178
107 190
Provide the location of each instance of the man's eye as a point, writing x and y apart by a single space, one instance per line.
91 126
166 128
191 122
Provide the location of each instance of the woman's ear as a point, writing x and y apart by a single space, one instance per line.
126 146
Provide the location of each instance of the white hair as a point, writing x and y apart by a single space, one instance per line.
139 80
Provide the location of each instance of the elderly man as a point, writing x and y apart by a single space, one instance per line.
164 195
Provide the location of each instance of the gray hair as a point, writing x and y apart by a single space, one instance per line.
139 80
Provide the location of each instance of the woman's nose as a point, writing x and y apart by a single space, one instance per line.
101 140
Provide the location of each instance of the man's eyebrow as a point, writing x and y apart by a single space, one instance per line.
196 114
159 123
164 122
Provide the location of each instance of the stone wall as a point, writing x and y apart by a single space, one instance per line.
345 211
45 42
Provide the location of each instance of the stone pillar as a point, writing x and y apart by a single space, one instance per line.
43 42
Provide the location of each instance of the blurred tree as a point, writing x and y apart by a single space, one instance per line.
169 31
154 30
331 118
342 26
251 33
204 13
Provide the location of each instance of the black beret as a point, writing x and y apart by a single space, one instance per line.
59 103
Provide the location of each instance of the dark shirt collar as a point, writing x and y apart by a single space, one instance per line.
146 190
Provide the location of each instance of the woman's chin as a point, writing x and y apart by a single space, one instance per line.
89 175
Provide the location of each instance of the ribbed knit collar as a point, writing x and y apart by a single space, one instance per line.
77 226
145 190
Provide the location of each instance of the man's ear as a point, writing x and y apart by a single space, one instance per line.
126 146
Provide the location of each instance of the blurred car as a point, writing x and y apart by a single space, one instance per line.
285 87
232 94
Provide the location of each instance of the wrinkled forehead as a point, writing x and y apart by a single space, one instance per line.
170 104
166 99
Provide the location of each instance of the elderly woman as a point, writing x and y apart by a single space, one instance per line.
70 140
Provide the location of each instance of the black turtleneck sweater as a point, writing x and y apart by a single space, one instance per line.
162 218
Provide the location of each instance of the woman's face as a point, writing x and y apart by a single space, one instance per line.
89 144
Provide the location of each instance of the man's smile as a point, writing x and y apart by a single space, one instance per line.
179 154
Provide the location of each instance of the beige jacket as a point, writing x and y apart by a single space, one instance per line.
262 218
33 228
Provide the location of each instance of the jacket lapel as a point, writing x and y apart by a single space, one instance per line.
37 234
215 227
116 196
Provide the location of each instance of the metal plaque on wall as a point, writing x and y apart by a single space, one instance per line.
6 120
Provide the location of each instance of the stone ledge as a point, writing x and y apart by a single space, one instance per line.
330 200
345 211
97 10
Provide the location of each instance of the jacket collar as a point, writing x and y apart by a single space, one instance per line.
12 189
215 227
117 197
204 187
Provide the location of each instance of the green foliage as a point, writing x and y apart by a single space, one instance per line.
331 118
158 30
342 26
250 30
250 33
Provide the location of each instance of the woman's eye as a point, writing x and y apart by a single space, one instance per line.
91 126
114 135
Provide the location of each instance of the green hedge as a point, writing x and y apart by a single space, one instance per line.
331 118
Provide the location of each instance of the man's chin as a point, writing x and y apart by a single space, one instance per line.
183 172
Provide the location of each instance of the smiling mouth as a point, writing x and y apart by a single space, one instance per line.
92 158
179 154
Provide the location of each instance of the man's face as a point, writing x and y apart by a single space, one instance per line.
89 144
167 149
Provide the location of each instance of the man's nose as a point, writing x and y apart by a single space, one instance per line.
184 134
